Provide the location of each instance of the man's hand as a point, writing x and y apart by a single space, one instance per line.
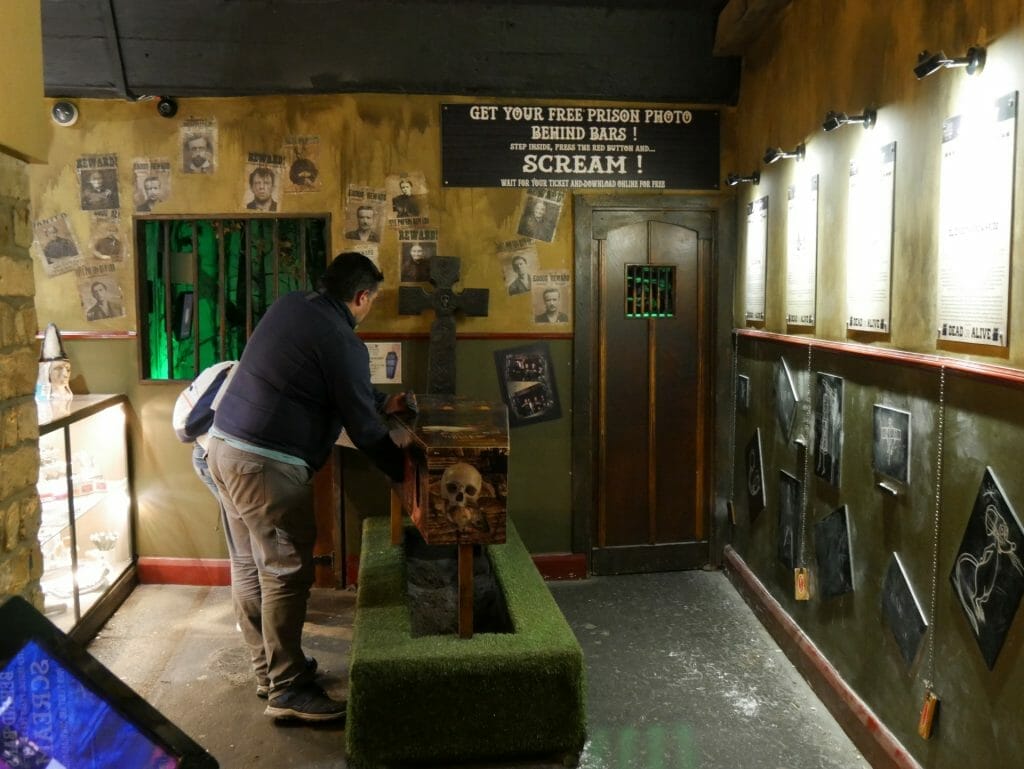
395 404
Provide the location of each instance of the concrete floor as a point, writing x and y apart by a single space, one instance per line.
681 675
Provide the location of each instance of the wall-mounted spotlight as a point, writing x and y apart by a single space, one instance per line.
733 179
775 154
167 107
834 120
927 63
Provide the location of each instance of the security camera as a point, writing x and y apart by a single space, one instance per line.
167 107
64 113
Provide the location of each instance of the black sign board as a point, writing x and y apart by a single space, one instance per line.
574 147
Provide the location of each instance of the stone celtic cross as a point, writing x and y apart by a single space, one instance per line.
412 300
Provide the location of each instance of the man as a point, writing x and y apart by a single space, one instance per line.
415 263
405 205
198 155
57 246
304 376
521 284
103 306
261 182
552 297
96 194
365 218
534 223
153 189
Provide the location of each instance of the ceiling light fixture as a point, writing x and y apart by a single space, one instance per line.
834 120
775 154
927 63
733 179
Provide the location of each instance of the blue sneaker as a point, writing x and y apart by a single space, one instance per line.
306 702
263 690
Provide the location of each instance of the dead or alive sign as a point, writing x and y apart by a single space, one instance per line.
508 145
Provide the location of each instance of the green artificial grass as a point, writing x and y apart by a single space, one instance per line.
441 698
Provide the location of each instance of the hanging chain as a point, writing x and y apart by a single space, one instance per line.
735 406
808 429
929 670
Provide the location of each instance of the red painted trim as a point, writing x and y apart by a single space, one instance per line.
424 335
879 746
988 371
555 566
184 571
217 571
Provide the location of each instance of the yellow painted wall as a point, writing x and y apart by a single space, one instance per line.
363 139
826 55
24 117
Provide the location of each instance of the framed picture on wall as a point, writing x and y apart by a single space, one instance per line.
526 377
891 443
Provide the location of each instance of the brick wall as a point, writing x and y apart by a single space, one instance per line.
20 559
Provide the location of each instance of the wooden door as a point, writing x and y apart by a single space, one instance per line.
651 276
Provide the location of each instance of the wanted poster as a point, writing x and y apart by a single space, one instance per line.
105 241
100 291
551 300
58 248
756 259
407 196
802 252
364 208
152 185
417 247
975 228
385 362
263 174
541 211
302 159
869 240
97 179
518 259
199 145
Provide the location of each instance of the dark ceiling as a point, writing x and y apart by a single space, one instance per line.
631 50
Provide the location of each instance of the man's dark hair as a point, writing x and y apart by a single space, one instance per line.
261 171
348 274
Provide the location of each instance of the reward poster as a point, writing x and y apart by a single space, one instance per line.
869 241
975 207
757 253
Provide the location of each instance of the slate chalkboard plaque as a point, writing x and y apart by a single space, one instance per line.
902 610
832 547
789 533
755 476
988 574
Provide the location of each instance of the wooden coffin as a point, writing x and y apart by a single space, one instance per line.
456 480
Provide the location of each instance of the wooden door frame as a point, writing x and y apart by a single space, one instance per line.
722 210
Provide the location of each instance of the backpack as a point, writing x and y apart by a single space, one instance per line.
194 408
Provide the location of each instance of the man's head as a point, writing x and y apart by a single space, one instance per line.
152 187
405 186
416 252
353 279
519 265
364 217
261 182
99 290
96 180
50 231
551 297
198 149
539 209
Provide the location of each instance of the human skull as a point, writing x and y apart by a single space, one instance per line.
460 485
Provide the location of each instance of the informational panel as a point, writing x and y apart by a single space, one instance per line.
869 241
975 207
802 253
572 146
757 256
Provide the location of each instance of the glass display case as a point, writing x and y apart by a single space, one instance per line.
86 534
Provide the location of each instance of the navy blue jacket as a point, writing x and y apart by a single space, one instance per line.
303 376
